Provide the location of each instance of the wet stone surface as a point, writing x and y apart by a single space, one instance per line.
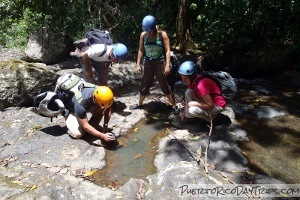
39 160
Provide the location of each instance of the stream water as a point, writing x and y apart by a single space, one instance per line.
274 143
273 149
134 156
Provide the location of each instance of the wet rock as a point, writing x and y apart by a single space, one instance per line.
21 81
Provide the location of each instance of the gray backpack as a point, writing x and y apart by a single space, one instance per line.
224 80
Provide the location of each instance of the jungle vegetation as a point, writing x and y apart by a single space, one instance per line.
230 33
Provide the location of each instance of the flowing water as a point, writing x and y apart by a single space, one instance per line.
274 143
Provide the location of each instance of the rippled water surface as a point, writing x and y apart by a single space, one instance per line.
274 146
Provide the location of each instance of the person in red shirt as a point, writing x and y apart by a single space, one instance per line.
203 97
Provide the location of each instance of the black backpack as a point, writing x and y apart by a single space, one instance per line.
96 36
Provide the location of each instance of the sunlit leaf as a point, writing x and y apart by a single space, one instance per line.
199 18
137 156
154 117
193 6
194 138
250 173
38 127
33 187
90 173
135 140
136 130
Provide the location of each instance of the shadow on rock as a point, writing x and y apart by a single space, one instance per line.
95 141
55 130
158 107
119 107
198 126
221 119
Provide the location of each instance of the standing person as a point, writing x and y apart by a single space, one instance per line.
97 101
153 43
203 98
99 56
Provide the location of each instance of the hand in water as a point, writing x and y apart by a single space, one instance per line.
108 137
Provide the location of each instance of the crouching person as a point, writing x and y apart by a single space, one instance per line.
96 101
203 97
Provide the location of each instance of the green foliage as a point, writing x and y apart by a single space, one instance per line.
75 17
222 28
193 6
245 27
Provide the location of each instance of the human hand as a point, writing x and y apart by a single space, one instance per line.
167 70
138 69
194 103
108 137
89 74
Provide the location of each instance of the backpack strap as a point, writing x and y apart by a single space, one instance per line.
205 75
78 94
104 51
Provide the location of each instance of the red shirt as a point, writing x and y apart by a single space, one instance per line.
208 86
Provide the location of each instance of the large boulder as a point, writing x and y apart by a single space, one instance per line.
48 47
21 81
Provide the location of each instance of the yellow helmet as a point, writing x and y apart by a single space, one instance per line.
103 96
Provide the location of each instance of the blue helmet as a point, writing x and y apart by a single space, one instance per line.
120 52
187 68
149 23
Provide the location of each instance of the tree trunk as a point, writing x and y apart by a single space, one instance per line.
182 26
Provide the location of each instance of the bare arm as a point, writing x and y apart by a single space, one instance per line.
207 105
166 42
91 130
87 64
107 115
140 52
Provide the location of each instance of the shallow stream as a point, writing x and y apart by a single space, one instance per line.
134 156
274 143
273 149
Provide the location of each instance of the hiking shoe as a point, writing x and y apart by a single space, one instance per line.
176 110
135 106
76 53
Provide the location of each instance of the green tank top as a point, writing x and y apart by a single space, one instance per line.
154 48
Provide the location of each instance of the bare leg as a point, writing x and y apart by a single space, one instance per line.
142 98
171 99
